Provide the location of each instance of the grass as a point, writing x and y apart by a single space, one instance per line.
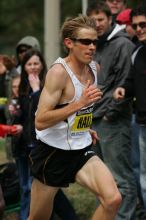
2 144
3 157
82 200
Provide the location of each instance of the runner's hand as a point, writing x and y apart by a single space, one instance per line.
94 136
90 94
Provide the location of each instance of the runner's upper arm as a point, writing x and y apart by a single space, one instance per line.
54 84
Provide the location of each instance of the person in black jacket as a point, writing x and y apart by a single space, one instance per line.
22 109
135 86
123 18
112 120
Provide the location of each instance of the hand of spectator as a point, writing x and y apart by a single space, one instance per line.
34 82
10 130
119 93
105 118
17 129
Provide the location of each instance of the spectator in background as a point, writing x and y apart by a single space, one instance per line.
135 86
7 70
22 113
13 108
23 46
12 67
112 120
123 18
116 6
5 130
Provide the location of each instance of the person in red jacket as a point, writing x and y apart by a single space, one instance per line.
5 130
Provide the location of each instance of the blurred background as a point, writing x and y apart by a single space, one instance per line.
41 19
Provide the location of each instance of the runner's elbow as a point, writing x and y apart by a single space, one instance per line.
38 125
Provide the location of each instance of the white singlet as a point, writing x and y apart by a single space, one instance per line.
73 133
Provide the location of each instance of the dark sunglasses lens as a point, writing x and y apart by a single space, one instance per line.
141 25
88 41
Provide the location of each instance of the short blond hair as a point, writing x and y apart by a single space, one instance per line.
72 26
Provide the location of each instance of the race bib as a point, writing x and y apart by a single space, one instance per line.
82 122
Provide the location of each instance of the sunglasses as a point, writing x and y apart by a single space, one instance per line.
85 41
140 24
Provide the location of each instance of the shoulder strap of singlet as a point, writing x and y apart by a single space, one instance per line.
94 70
62 61
69 71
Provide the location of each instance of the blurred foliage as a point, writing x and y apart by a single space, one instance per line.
18 19
70 8
21 18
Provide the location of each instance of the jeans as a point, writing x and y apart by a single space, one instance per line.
115 148
25 180
136 162
135 149
142 143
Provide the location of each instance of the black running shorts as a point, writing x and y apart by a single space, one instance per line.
56 167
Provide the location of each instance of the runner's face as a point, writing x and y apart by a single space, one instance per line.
139 25
84 45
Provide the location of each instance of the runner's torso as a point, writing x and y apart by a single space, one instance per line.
73 133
